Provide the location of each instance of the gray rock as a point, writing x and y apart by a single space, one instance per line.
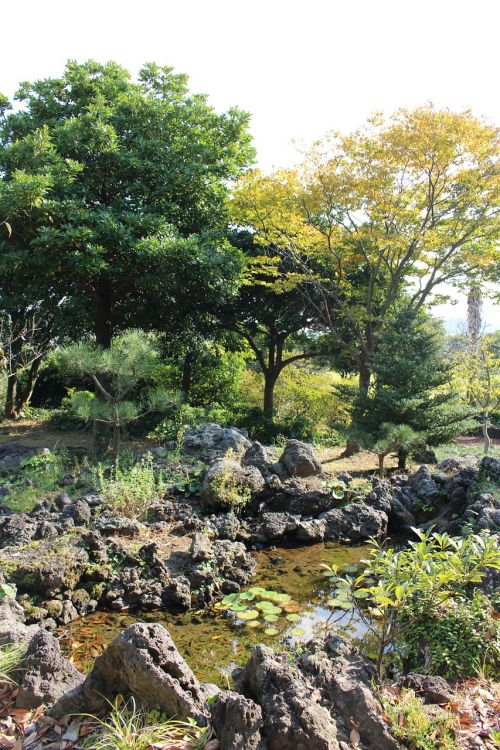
490 468
299 498
13 454
48 674
211 442
432 689
201 548
354 523
78 512
299 460
259 456
311 531
228 485
344 679
424 486
293 716
142 662
457 463
119 526
12 627
275 526
237 722
16 530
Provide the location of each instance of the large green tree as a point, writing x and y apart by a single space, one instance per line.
137 194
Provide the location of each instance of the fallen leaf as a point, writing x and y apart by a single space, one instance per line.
354 737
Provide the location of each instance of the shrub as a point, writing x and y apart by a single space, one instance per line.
228 491
410 723
433 572
456 640
130 490
185 416
36 476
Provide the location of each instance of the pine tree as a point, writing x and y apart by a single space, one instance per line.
411 394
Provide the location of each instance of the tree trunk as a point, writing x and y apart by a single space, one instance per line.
352 446
270 378
402 458
381 458
10 398
30 385
103 330
487 439
187 374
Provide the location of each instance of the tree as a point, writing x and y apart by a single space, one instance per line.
279 327
117 373
410 204
479 368
434 571
411 389
147 166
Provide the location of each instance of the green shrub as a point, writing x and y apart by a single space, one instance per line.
228 492
456 640
411 724
35 477
130 490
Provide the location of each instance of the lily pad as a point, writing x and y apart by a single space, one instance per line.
271 631
237 607
293 617
249 614
337 603
298 631
231 599
253 624
271 618
247 596
361 594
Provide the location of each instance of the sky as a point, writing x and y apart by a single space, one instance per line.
300 68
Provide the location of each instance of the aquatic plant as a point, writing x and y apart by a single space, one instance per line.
265 607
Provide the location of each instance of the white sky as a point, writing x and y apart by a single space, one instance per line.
300 68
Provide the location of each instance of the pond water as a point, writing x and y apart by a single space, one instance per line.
214 641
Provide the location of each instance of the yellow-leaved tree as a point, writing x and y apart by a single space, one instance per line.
403 206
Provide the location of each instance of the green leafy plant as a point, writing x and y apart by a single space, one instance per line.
459 639
437 569
229 492
131 728
131 490
411 724
36 476
272 610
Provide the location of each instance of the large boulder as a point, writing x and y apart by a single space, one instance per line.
211 442
490 468
228 485
354 523
142 662
16 530
293 717
344 679
13 454
237 722
432 689
299 497
48 674
12 618
453 464
299 460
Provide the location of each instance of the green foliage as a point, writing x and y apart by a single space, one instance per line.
229 492
411 390
128 180
11 660
130 728
457 639
130 491
269 609
417 729
118 373
37 476
436 570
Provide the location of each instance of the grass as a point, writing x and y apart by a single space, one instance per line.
130 728
411 724
11 659
465 449
130 490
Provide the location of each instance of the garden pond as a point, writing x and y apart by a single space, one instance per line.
289 601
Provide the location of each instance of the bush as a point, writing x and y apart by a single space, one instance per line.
228 492
35 477
410 723
131 490
457 640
